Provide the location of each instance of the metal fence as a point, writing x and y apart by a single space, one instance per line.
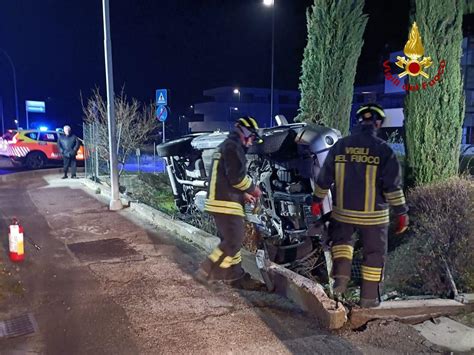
142 160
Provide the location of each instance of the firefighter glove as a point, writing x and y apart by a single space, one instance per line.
256 192
316 208
402 223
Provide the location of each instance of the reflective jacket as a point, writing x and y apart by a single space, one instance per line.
367 178
229 178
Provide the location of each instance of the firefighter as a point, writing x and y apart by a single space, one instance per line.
367 180
229 189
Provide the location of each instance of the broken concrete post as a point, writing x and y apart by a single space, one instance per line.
307 294
411 311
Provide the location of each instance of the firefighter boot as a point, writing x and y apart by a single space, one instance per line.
369 303
340 285
246 283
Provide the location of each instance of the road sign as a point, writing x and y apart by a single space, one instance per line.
162 97
162 113
35 106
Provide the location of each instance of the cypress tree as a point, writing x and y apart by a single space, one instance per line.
335 30
434 115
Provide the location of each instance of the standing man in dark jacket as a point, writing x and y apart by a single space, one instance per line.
367 179
229 188
68 147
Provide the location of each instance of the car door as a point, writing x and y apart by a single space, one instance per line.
48 143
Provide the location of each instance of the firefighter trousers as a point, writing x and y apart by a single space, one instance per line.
225 261
374 250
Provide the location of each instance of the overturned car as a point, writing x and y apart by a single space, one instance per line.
285 167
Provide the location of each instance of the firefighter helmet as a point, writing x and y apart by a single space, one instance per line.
370 112
249 127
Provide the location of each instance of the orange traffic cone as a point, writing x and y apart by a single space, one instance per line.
15 241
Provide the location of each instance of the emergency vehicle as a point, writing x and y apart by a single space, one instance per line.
35 149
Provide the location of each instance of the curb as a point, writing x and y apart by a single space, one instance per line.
21 175
307 294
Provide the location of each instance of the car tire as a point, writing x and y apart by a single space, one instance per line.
35 160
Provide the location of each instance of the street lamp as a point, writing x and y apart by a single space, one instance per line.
14 85
271 3
115 203
231 109
237 92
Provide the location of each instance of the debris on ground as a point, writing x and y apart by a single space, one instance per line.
385 337
448 334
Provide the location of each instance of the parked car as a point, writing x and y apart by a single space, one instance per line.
35 149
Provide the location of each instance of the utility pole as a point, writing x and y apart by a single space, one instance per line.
273 65
115 203
1 113
17 116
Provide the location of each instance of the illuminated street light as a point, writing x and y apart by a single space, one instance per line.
268 2
237 92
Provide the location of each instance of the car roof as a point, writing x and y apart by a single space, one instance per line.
36 131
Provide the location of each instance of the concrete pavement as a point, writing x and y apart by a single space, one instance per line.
106 283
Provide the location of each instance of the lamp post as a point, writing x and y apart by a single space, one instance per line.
231 109
271 3
14 84
115 203
237 92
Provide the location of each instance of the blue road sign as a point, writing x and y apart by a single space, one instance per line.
35 106
162 113
161 97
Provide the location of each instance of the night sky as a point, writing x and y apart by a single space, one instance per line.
184 45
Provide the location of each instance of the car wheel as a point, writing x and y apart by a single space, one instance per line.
35 160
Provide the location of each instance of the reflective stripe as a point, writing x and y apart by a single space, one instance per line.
360 220
228 261
215 255
371 273
244 184
360 214
398 202
342 251
224 204
320 192
212 189
244 122
211 207
370 177
395 198
393 194
340 171
254 123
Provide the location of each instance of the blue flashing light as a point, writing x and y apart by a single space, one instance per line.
43 128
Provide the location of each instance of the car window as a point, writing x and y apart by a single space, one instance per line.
48 137
32 135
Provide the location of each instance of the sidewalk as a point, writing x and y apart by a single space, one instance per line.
105 283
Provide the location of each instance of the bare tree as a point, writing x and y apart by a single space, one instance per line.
135 123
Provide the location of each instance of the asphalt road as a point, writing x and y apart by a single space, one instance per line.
136 295
6 166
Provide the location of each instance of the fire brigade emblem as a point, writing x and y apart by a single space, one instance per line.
414 51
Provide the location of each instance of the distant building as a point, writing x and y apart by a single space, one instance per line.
227 103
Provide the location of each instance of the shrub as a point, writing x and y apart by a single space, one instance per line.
441 233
